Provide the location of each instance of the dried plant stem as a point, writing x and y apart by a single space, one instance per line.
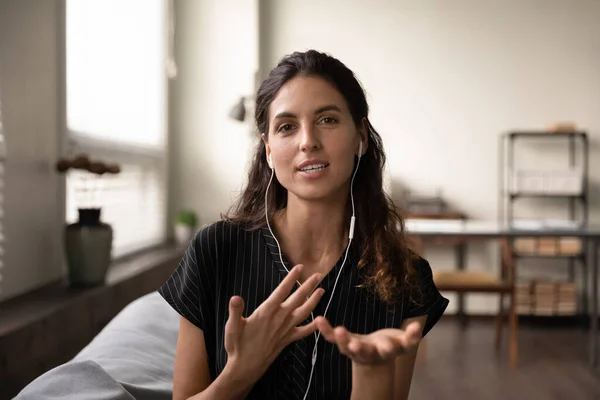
96 203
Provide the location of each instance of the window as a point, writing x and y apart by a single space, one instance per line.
116 52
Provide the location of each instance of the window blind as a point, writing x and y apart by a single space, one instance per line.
132 202
116 52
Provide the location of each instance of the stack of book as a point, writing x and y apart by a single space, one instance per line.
548 246
523 298
546 298
567 299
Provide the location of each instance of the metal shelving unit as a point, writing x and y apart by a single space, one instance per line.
578 207
507 163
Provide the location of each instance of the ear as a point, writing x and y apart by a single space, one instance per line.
364 136
267 150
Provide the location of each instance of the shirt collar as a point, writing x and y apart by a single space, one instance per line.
329 280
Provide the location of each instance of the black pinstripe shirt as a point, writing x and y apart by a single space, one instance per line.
225 260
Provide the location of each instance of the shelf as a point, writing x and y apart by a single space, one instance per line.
571 183
546 256
516 183
547 134
581 196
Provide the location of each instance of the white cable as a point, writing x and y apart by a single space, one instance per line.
350 237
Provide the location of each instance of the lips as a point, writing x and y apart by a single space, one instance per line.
314 168
312 165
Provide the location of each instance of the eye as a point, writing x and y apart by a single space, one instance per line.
328 120
284 127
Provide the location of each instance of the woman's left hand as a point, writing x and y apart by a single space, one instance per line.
379 347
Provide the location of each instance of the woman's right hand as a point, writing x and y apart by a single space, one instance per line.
253 343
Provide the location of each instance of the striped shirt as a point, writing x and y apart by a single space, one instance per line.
224 260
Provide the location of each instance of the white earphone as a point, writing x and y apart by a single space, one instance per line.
350 237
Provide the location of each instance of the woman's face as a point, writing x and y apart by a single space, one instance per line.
312 139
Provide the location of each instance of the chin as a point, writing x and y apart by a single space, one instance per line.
316 194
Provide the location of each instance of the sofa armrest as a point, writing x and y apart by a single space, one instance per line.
133 355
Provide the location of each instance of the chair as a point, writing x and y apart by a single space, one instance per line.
465 281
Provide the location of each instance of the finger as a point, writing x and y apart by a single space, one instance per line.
403 344
339 335
325 328
300 332
362 349
282 291
386 347
233 326
342 338
414 332
303 292
302 312
409 338
354 346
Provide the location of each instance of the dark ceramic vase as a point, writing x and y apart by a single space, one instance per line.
88 247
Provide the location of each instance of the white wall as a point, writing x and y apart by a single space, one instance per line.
217 56
29 71
445 79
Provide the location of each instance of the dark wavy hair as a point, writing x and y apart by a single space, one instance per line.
386 262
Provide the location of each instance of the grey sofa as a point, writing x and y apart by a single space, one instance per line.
131 358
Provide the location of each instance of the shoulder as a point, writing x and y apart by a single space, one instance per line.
218 238
425 298
216 233
423 270
421 278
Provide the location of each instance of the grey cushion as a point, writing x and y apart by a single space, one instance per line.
75 380
132 358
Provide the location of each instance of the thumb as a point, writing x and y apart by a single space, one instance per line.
413 332
234 323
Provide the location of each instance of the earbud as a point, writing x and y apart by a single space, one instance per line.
271 160
360 149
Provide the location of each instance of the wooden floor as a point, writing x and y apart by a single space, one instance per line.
464 365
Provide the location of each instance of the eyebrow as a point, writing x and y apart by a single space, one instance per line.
330 107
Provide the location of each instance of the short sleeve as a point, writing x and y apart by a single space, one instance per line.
190 289
429 301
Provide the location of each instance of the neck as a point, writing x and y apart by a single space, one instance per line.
313 234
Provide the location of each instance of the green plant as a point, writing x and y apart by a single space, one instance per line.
187 217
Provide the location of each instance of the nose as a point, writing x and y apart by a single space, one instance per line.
309 140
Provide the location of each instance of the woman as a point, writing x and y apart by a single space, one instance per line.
254 327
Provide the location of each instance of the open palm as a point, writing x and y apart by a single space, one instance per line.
375 348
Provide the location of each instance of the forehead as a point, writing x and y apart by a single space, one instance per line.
304 94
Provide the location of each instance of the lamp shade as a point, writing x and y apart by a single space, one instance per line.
238 111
